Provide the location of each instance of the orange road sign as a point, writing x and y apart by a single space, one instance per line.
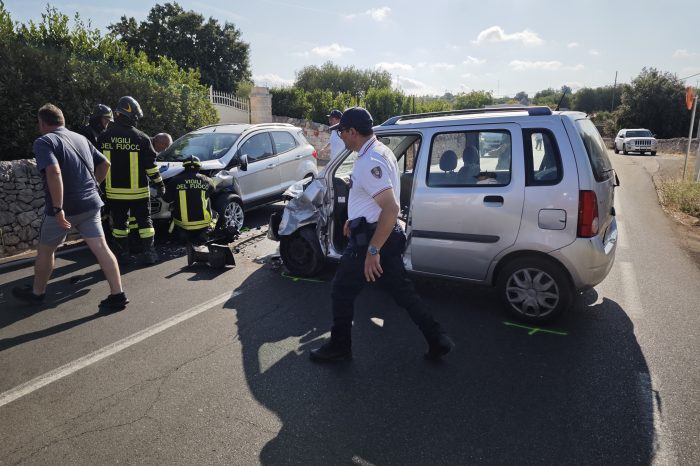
689 97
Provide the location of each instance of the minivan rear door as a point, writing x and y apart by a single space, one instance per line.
468 199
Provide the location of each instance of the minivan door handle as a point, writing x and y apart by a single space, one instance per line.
493 200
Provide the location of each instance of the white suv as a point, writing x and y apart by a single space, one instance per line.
265 159
635 140
519 198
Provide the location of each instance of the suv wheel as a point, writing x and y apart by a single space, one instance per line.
301 252
615 148
534 289
653 152
229 207
624 148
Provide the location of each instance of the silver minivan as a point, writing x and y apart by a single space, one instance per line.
265 159
531 214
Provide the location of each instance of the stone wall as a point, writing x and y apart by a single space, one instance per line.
21 206
317 134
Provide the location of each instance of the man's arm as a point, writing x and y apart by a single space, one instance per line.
385 225
101 170
55 185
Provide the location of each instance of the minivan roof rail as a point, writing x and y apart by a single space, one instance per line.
532 111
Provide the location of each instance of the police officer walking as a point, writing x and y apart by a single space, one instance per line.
377 242
190 201
133 164
98 123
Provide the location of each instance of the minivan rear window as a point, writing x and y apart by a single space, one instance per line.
595 147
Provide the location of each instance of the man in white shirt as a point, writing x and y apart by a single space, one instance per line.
335 145
373 208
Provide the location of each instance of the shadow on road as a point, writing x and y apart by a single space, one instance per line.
505 396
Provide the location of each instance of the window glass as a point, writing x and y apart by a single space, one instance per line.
595 147
470 158
257 147
542 159
283 141
205 146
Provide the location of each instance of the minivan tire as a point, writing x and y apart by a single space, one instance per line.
518 284
301 252
229 208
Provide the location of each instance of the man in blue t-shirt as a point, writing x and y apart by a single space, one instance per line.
71 169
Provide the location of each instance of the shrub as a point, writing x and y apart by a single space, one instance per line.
682 195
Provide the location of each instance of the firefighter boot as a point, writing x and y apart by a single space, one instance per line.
150 255
121 250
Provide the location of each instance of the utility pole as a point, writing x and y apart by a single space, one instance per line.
612 104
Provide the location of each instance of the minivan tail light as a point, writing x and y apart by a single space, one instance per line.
588 222
315 154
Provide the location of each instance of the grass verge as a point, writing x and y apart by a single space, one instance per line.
682 196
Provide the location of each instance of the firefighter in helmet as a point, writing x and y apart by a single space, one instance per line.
133 162
100 119
188 194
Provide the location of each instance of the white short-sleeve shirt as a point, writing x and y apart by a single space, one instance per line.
337 144
375 171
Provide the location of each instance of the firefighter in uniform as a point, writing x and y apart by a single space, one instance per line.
133 164
99 121
188 195
377 243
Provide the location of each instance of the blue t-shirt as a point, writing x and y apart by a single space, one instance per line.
59 147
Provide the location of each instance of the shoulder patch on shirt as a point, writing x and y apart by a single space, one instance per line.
377 172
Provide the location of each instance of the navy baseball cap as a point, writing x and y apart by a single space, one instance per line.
355 117
335 114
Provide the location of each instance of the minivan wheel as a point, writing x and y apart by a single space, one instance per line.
534 289
301 252
229 207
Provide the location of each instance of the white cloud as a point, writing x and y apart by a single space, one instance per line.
473 61
683 53
465 75
594 52
271 80
574 85
332 51
572 45
394 66
577 67
453 47
496 34
441 66
520 65
378 14
413 86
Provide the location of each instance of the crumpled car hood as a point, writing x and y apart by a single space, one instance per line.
306 206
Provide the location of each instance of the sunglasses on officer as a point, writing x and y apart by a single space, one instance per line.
340 130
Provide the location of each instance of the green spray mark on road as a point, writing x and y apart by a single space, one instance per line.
297 279
533 330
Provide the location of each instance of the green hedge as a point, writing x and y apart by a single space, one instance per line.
75 69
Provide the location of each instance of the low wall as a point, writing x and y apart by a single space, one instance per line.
317 134
21 206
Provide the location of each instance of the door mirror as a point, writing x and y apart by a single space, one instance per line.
239 160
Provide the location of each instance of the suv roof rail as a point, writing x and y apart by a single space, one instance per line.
532 111
258 125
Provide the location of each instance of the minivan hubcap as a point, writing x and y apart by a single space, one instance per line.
532 292
234 215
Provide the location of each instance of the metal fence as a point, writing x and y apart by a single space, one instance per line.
229 100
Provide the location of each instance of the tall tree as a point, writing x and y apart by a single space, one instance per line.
191 41
474 99
333 78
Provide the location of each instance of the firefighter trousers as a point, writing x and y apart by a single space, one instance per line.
139 208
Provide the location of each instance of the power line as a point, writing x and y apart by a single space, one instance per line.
683 79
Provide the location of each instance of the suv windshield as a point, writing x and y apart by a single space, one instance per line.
595 147
642 133
205 146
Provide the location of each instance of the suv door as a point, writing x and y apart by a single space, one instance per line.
467 200
262 179
290 155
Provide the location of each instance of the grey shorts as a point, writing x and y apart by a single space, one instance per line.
89 224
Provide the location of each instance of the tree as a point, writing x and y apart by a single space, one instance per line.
655 100
522 98
383 104
290 102
332 78
474 99
191 41
551 97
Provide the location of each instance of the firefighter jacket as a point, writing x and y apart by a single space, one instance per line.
189 194
133 162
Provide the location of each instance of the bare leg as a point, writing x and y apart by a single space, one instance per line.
107 262
43 266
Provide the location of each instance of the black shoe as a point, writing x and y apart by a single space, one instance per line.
439 347
26 294
150 257
331 352
114 302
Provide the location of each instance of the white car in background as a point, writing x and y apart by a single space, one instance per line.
635 140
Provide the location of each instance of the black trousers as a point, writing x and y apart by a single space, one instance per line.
139 208
350 280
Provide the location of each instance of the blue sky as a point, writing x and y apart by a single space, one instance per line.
502 46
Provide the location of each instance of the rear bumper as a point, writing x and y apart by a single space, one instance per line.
589 260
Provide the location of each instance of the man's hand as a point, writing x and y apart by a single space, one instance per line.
373 269
61 220
346 229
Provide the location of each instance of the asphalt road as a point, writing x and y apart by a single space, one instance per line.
208 367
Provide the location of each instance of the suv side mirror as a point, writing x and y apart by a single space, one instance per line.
239 160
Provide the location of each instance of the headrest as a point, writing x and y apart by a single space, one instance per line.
448 161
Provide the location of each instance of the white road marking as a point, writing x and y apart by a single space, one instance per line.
621 235
74 366
656 427
630 290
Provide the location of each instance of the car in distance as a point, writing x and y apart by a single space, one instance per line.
264 159
537 221
635 140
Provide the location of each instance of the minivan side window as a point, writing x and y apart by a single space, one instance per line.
595 147
470 158
542 159
283 141
257 147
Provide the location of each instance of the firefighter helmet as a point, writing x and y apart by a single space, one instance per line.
102 111
131 109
